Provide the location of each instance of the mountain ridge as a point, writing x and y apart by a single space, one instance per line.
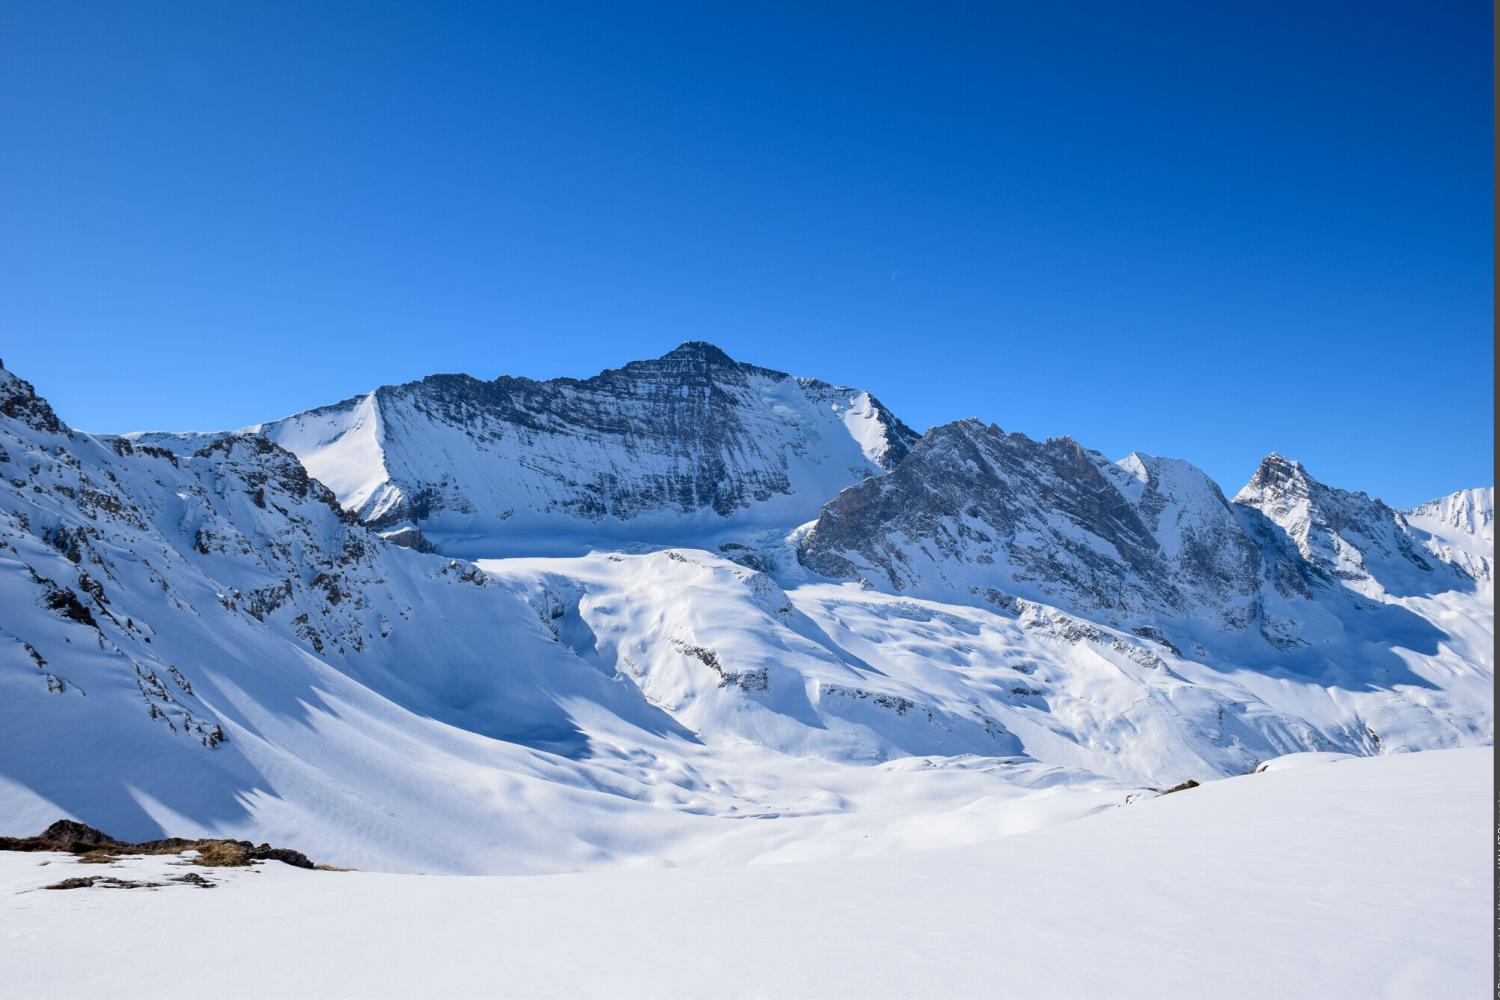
199 638
630 451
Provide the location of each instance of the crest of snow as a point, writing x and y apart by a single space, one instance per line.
1293 761
865 426
343 448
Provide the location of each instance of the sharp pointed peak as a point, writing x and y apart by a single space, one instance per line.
699 350
1278 466
963 427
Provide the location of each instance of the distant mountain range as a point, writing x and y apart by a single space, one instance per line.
458 625
691 441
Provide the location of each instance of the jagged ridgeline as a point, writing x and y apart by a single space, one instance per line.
690 441
977 515
740 590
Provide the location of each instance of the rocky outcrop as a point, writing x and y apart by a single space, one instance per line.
71 837
973 509
19 401
978 515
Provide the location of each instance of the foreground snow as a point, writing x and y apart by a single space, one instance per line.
1338 877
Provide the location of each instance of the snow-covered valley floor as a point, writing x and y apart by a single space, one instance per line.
1356 878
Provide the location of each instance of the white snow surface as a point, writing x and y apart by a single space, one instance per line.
200 642
838 788
346 449
1366 879
1292 761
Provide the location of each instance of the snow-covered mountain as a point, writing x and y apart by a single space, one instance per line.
207 635
1292 583
1460 529
199 638
690 442
976 514
1346 537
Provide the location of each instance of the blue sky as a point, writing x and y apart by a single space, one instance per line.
1200 230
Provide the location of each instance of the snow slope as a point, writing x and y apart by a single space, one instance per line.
197 639
1366 878
1293 580
851 674
204 643
1461 530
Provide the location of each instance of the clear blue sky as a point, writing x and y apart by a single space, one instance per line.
1200 230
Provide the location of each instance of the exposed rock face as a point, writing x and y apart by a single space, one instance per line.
977 515
19 401
1342 536
693 434
973 509
1210 560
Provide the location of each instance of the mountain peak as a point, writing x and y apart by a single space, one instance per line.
699 350
973 512
1277 465
19 401
1276 474
963 427
692 432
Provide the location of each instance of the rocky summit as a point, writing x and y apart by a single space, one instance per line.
975 515
690 441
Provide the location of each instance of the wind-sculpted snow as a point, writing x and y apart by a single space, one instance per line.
729 654
644 451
